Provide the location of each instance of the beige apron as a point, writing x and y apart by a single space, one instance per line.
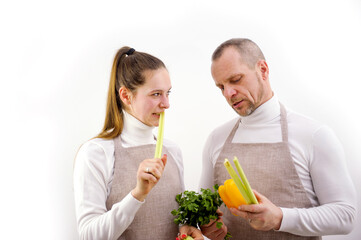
154 219
270 170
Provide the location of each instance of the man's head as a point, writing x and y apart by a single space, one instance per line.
239 69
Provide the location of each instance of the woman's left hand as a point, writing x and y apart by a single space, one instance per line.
195 233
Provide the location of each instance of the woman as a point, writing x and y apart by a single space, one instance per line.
121 191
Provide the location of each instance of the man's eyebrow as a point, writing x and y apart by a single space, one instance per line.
233 76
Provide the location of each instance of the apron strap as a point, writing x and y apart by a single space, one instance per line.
231 135
284 124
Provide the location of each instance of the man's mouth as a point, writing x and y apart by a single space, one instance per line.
237 104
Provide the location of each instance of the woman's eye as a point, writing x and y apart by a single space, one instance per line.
156 94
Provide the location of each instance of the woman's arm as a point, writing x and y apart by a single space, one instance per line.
93 172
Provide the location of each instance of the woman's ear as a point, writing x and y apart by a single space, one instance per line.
125 95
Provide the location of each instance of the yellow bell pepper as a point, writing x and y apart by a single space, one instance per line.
230 194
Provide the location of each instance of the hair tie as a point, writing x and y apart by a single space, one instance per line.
130 51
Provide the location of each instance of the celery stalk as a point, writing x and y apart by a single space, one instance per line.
245 181
159 145
237 181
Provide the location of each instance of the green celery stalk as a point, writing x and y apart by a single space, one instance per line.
245 181
159 145
237 181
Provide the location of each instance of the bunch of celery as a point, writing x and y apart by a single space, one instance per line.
241 183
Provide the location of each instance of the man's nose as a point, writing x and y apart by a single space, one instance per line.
228 92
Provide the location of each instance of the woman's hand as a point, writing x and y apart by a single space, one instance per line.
211 231
149 173
195 233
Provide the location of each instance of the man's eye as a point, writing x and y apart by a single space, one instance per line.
236 80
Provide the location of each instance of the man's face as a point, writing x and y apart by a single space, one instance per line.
243 87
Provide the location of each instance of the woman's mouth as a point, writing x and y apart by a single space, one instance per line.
156 115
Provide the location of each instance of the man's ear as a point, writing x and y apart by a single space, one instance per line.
263 69
125 95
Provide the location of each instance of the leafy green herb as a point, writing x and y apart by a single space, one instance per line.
198 209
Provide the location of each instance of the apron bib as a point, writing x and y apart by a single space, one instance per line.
153 219
270 170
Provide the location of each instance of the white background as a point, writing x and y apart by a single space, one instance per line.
55 64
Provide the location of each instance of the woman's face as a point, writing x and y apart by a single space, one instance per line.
151 98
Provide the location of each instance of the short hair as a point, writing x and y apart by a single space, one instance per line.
249 50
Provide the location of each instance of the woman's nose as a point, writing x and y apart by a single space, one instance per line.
165 102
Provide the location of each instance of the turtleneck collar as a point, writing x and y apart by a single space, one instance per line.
136 132
264 113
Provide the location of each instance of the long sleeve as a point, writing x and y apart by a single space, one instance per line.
333 187
92 176
206 180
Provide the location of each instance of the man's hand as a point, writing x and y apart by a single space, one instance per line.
195 233
211 231
263 216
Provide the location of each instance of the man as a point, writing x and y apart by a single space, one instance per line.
296 165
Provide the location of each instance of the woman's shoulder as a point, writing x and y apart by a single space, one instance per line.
171 145
96 149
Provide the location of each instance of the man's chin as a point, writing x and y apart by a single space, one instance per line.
244 112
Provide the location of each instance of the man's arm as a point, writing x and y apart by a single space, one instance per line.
333 186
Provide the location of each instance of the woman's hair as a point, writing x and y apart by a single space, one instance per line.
128 71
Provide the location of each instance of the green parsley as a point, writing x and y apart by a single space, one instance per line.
198 209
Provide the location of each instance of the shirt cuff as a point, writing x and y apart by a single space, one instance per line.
288 220
130 205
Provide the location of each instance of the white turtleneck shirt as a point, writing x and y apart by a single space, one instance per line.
93 175
319 160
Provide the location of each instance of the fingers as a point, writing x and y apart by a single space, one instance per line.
219 212
152 169
212 232
195 233
259 196
164 159
209 224
263 216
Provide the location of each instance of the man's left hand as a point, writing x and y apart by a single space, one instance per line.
263 216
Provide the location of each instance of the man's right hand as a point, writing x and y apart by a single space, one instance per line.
211 231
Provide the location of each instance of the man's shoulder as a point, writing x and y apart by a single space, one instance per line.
303 125
296 118
223 129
